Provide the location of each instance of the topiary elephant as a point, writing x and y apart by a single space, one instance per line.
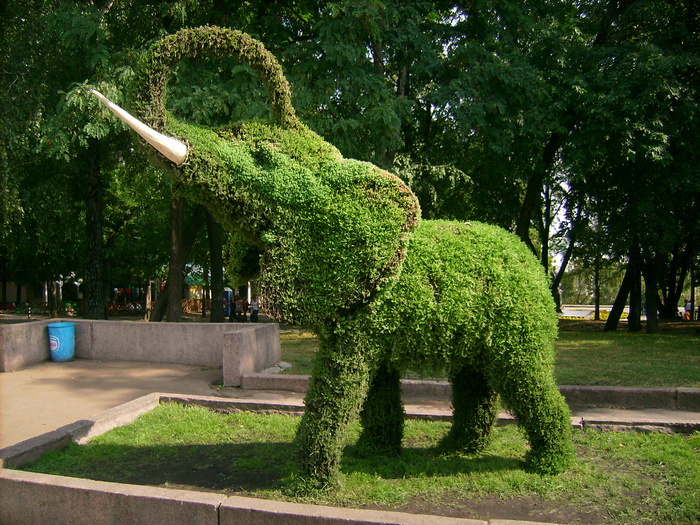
343 249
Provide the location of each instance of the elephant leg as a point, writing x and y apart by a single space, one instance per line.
475 411
382 415
338 388
544 415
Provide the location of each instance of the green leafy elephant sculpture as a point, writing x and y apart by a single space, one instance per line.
343 250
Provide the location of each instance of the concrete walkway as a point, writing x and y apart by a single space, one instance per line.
49 395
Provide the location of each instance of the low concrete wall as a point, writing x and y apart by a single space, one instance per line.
576 396
58 500
178 343
249 347
27 497
23 344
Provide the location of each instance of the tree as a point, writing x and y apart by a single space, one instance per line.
628 143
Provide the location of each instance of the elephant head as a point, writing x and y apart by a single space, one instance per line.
330 230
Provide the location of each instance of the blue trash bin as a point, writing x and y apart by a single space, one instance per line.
62 341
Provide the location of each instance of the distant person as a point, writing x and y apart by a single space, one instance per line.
688 310
240 316
232 310
254 308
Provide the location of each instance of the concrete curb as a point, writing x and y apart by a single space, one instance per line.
27 497
79 432
576 396
632 397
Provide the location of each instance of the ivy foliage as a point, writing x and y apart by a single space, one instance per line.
330 229
469 299
343 248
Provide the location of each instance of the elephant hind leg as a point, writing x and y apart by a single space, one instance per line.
543 413
382 415
475 411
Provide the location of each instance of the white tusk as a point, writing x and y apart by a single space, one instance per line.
173 149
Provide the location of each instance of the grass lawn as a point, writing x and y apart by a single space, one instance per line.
585 355
626 359
622 478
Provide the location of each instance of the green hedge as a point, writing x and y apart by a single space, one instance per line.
342 248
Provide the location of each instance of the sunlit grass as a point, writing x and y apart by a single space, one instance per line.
583 358
626 359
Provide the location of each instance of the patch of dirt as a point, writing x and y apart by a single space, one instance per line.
203 468
493 507
204 476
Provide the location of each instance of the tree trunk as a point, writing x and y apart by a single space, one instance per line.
675 281
205 292
596 288
217 270
634 321
176 278
95 301
620 301
158 311
149 302
52 298
533 191
187 238
650 297
692 293
556 280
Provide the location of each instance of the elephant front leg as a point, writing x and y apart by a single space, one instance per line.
382 415
475 411
338 388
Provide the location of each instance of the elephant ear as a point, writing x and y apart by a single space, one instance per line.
333 255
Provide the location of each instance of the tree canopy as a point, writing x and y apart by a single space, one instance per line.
571 123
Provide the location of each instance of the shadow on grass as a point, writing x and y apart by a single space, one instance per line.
425 462
239 467
243 467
